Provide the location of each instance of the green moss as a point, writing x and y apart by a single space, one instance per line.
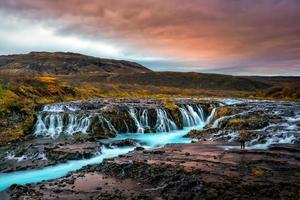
258 172
223 111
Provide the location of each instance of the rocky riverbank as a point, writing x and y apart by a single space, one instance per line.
204 170
264 122
73 130
40 153
211 168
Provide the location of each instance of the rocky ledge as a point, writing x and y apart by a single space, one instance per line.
205 170
40 152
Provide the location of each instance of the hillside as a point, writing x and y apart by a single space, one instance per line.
118 75
64 63
191 80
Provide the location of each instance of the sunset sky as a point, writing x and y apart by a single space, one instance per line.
239 37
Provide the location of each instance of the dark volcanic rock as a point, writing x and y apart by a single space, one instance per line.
39 153
72 151
182 171
208 171
122 143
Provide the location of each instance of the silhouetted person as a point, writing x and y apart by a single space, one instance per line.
243 138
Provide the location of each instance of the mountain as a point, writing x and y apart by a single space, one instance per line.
61 63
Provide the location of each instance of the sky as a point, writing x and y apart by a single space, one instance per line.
238 37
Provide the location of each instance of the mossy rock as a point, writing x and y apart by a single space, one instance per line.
223 111
252 121
201 134
18 130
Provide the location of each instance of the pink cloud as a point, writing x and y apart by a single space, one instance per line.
201 30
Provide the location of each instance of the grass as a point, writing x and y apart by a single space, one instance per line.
24 95
258 172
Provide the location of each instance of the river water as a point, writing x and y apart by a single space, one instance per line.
148 141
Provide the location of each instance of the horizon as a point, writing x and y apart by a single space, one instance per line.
284 76
239 38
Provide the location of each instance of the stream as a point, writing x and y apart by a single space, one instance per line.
149 141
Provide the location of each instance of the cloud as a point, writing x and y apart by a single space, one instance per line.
257 37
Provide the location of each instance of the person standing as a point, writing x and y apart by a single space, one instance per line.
243 138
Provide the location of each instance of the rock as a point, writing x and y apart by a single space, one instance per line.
202 134
158 152
251 121
122 143
73 151
139 148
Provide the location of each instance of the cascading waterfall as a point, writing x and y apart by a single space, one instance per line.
201 113
163 122
76 124
55 120
139 124
210 117
144 118
110 127
195 116
192 116
54 124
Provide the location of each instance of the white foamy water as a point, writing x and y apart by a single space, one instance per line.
53 123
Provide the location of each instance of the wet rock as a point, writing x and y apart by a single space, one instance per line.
202 134
225 111
250 121
122 143
139 148
73 151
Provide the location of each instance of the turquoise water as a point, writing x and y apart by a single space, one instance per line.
149 141
154 140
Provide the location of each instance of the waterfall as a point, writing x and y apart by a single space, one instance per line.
192 117
195 117
54 124
109 125
77 124
144 118
133 113
57 119
201 113
210 117
40 127
163 122
51 125
217 121
185 117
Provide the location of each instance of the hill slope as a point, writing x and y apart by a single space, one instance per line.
191 80
65 63
77 69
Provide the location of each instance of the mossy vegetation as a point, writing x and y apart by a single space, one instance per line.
255 120
223 111
258 172
22 96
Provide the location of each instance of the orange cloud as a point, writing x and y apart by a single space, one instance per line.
210 32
